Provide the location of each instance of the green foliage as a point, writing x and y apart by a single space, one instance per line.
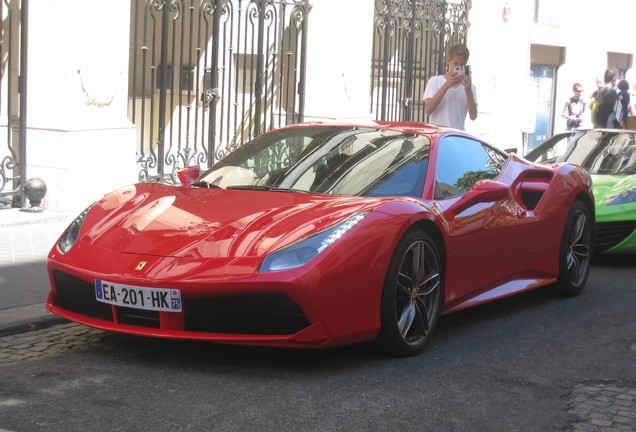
467 181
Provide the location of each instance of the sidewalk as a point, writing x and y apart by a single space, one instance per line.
25 241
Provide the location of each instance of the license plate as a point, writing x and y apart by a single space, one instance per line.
157 299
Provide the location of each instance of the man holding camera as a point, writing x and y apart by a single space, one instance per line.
449 97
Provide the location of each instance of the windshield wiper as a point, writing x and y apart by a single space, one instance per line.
267 188
204 184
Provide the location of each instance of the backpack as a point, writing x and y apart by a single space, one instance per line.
603 107
619 121
622 109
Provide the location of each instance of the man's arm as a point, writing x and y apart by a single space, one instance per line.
472 105
565 111
431 103
470 97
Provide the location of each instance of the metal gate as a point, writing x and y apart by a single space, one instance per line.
409 43
208 75
13 96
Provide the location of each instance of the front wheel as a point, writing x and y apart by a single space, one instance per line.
412 295
576 250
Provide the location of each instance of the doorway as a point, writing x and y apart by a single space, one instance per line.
544 77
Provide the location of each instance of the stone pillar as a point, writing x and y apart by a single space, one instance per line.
79 138
339 60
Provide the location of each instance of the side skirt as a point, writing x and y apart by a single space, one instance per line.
505 290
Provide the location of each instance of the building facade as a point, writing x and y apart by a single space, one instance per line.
134 90
527 54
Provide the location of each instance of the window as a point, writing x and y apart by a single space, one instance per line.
545 78
545 62
622 63
461 162
336 160
597 152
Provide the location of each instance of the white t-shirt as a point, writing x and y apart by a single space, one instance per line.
453 107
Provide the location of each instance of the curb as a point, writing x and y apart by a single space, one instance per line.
15 217
27 318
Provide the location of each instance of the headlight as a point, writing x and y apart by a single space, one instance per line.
70 236
625 197
301 252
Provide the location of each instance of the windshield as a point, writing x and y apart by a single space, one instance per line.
598 152
328 160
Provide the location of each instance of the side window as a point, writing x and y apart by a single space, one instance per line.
461 162
557 151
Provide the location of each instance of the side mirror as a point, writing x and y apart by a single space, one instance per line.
188 175
483 191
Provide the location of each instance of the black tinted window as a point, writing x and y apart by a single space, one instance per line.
598 152
329 160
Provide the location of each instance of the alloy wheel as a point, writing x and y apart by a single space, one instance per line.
579 246
418 291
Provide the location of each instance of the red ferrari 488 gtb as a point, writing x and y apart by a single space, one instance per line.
324 234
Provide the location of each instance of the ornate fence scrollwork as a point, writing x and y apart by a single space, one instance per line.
409 42
208 75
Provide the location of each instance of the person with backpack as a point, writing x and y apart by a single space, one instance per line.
604 103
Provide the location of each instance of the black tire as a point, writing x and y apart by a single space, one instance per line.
576 251
412 295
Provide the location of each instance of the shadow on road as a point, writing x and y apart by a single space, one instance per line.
203 355
614 260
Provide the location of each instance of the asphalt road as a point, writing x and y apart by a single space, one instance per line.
534 362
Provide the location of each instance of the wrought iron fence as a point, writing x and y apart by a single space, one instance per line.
409 42
208 75
13 92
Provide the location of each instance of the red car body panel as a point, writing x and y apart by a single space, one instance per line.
473 245
211 242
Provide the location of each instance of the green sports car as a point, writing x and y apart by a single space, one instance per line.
609 155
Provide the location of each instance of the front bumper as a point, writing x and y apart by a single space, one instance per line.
255 318
334 300
616 229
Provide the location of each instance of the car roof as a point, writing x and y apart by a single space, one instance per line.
415 127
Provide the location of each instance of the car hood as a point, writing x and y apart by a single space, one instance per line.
608 186
155 219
